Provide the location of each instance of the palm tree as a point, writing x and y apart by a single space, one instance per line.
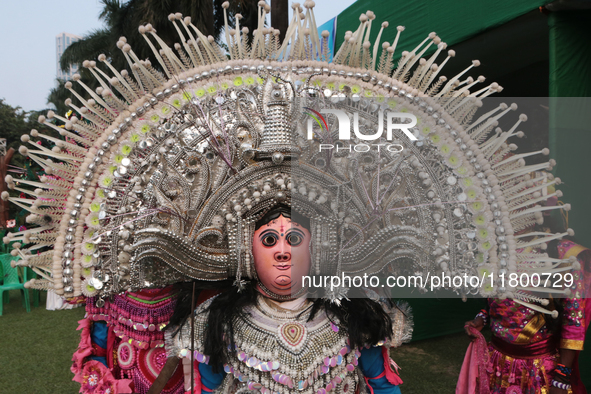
123 19
280 17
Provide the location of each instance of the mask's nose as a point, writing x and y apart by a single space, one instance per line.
284 254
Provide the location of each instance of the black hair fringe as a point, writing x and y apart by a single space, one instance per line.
365 321
184 291
219 334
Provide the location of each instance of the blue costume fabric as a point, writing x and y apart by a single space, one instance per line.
98 335
209 379
371 364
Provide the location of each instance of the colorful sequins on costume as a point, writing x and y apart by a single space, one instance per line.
134 353
278 350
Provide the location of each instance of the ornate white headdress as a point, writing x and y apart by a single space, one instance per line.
164 171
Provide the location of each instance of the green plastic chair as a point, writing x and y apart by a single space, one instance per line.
12 282
6 297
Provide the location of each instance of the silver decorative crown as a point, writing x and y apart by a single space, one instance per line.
164 174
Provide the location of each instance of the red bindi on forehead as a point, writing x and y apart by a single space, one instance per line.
283 222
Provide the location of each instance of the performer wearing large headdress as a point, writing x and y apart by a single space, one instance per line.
274 335
167 175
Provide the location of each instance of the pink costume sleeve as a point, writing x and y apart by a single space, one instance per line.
577 311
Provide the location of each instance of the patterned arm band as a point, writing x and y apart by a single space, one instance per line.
572 344
560 385
563 371
484 315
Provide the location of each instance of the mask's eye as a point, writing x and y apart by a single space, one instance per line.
269 240
294 239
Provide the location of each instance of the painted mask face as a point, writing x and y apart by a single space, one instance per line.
281 255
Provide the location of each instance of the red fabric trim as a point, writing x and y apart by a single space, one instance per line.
152 294
206 295
199 387
111 347
368 379
391 375
474 375
377 377
99 351
147 368
539 349
368 385
388 372
124 386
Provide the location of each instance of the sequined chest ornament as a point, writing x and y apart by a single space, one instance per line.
279 351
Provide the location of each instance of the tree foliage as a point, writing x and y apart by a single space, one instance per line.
14 122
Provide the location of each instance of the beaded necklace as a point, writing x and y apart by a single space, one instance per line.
278 297
279 350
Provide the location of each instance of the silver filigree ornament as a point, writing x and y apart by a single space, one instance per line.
164 158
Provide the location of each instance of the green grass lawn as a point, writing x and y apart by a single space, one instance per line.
431 365
36 350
